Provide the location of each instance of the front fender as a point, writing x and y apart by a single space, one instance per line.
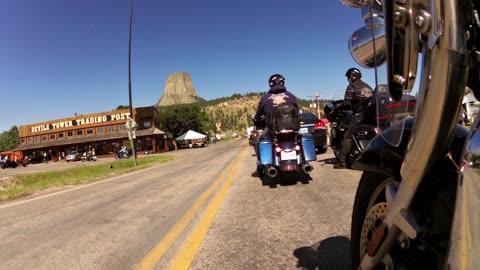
380 156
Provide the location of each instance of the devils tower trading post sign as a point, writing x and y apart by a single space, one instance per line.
80 122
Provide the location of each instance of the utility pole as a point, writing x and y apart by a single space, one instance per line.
130 128
316 98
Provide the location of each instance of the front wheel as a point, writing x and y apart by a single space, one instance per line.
369 209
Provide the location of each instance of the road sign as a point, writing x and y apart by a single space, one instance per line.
132 123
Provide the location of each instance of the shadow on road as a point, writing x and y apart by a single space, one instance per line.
327 161
330 253
286 179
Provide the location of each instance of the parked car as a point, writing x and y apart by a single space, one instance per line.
310 123
73 156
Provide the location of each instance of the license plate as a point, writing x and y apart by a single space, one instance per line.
303 130
288 155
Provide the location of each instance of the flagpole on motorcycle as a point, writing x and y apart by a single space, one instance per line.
130 128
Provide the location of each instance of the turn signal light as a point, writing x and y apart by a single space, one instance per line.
278 149
297 147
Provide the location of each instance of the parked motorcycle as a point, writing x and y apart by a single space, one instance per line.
25 161
284 149
8 164
417 204
89 156
123 153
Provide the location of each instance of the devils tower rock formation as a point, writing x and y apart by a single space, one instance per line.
178 90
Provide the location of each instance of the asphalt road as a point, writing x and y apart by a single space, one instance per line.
202 211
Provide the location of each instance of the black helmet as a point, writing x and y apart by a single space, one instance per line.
276 79
351 71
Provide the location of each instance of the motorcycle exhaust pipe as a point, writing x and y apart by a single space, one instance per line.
271 171
307 168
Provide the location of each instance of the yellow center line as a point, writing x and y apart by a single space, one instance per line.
154 256
185 257
466 233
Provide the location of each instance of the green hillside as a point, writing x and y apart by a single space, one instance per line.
234 112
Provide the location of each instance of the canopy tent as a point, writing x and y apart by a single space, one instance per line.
190 135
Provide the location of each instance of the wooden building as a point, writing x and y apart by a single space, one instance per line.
105 132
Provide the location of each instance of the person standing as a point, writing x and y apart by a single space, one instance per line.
357 97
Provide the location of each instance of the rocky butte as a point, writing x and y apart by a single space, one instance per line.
178 90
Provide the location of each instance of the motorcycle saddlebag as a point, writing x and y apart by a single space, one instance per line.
308 146
265 151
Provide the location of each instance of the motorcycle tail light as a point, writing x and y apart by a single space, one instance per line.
297 147
319 125
378 131
278 149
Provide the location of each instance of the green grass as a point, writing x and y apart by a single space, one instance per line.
26 184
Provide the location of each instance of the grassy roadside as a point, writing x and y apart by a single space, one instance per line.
26 184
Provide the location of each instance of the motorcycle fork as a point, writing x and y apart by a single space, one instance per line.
444 69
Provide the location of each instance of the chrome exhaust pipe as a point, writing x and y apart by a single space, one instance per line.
307 168
271 171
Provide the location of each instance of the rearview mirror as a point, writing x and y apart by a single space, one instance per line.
361 46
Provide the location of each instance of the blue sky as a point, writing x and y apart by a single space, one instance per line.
61 57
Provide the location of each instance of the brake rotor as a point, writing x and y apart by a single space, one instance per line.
375 216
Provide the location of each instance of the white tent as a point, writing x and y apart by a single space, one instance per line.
190 135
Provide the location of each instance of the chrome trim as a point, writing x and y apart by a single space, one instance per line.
441 90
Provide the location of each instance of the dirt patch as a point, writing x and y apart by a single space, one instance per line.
7 182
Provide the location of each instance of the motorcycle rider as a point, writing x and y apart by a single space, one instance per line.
357 97
277 94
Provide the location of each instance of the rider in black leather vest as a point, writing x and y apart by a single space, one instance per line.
357 96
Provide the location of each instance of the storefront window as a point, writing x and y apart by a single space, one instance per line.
61 135
37 138
52 136
22 140
80 132
44 138
112 128
29 139
89 131
100 130
147 124
69 133
122 127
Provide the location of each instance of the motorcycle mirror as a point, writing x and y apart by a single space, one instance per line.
361 46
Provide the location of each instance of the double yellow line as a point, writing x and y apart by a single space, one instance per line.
184 258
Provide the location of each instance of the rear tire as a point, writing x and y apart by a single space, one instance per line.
321 150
